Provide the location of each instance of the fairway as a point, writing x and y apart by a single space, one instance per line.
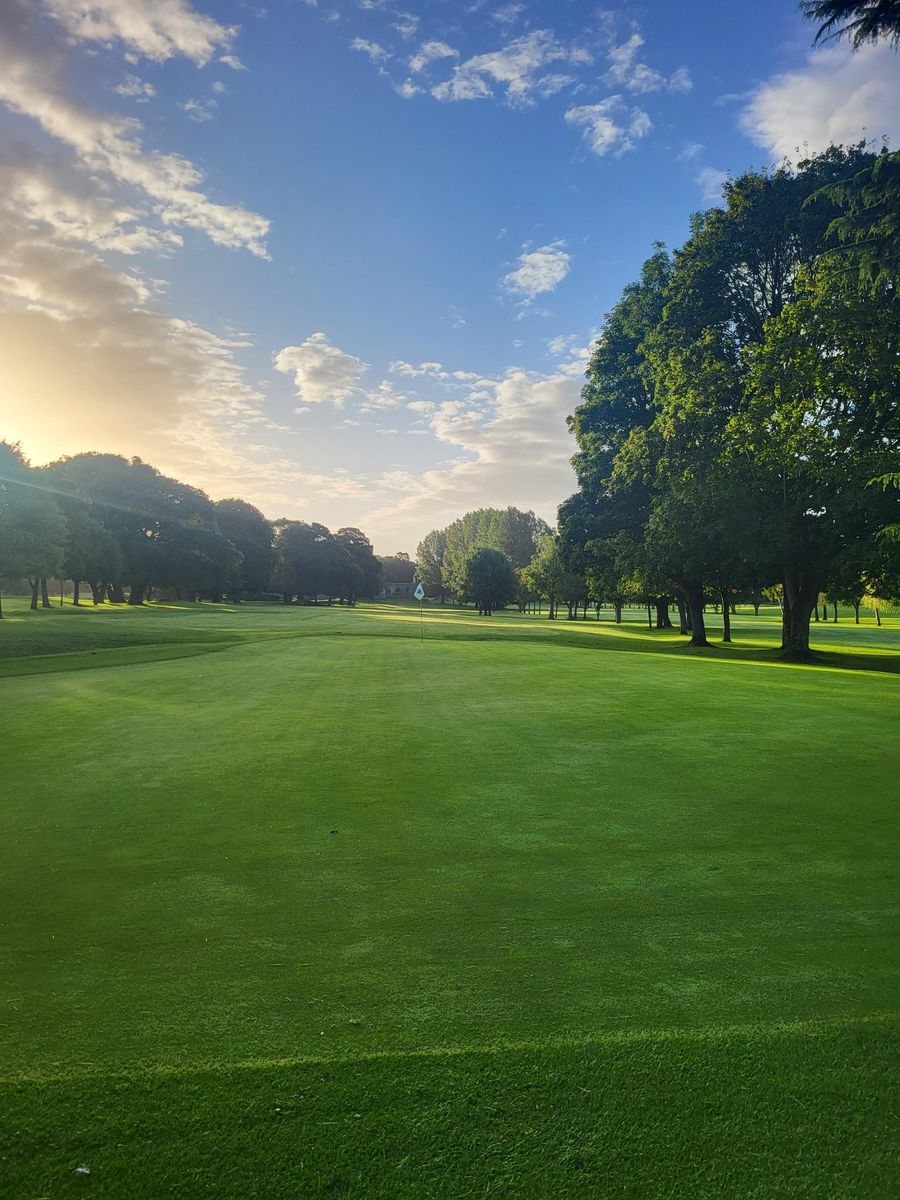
324 902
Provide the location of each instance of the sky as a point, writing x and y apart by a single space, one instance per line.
346 258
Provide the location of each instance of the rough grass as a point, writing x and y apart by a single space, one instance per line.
273 878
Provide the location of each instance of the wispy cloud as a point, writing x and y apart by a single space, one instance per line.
430 52
32 84
157 31
518 69
610 127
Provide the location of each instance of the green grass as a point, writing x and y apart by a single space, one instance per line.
520 909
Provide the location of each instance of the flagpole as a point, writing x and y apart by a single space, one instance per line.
419 594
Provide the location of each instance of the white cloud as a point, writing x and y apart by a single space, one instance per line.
508 14
407 89
90 363
431 370
200 110
499 433
539 271
60 204
517 68
156 29
680 80
372 50
232 60
31 85
429 52
559 346
383 397
628 72
690 151
711 181
840 96
132 86
321 372
406 24
610 126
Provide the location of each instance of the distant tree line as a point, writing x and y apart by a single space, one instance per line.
124 530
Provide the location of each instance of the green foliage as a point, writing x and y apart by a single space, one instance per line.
430 562
489 580
251 535
722 403
359 548
32 527
311 561
859 20
511 532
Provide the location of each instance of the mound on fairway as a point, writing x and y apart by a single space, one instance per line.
298 904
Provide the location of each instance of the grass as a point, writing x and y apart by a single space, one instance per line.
520 909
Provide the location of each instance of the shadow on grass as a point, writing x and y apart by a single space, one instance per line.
629 638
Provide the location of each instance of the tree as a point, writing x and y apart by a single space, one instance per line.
510 531
489 580
32 528
859 20
398 572
823 382
359 548
546 572
252 535
867 228
298 546
430 562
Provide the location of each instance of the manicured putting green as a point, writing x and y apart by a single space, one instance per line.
296 904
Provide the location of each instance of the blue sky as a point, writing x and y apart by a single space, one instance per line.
345 258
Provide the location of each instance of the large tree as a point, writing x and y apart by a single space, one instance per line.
430 563
489 580
32 527
510 531
714 382
359 548
252 535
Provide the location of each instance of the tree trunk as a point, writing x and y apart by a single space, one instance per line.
756 608
116 593
97 592
878 618
835 612
136 594
663 620
856 610
726 618
618 607
801 596
683 625
76 593
35 584
45 593
698 623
